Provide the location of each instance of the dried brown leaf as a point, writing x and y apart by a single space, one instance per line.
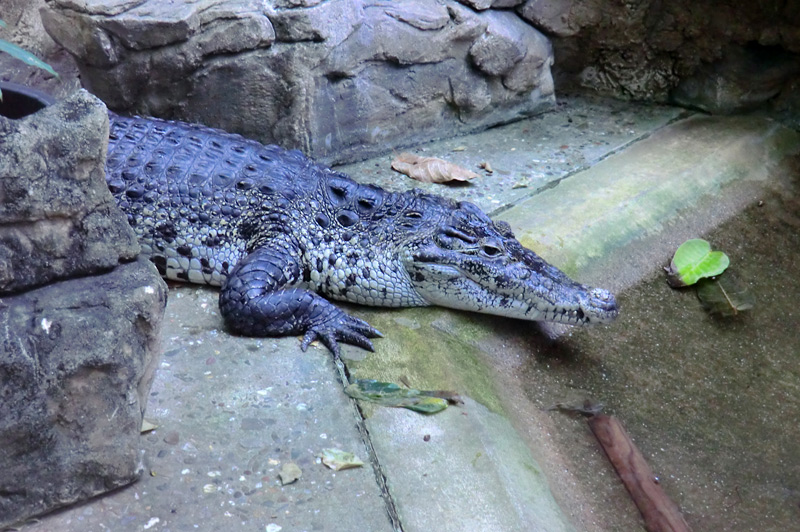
430 169
289 473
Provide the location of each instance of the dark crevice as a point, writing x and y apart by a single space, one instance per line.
380 477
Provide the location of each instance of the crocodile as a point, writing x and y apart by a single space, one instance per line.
283 236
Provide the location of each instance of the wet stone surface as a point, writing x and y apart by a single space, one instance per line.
709 400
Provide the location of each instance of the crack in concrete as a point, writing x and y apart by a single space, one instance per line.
380 477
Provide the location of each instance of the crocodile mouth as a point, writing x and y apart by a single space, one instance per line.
530 299
596 306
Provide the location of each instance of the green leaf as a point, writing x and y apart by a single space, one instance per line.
390 394
693 261
726 295
337 459
25 56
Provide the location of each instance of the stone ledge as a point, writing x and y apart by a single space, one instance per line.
687 177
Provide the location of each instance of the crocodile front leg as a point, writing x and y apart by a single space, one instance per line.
261 298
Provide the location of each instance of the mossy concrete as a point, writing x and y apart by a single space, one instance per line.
612 225
429 350
463 469
530 155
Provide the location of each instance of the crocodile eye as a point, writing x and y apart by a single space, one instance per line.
491 251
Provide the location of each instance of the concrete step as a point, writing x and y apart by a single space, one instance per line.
682 180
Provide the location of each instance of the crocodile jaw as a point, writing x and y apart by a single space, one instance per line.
528 288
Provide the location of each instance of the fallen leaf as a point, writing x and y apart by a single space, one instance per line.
147 426
486 166
289 473
452 398
430 169
694 260
725 295
338 460
390 394
460 148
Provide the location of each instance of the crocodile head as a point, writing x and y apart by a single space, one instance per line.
469 262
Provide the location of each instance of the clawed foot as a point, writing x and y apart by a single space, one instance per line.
340 326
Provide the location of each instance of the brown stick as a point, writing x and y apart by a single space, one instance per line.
659 512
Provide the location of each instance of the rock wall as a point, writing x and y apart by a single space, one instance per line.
79 315
701 54
339 79
269 70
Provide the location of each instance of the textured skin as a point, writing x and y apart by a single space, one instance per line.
278 232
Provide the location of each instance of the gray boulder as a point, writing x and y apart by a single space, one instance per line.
78 355
78 360
55 209
338 79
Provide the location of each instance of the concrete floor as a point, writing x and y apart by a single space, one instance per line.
606 190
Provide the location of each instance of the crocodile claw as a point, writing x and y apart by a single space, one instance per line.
341 327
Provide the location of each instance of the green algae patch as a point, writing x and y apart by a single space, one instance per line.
418 354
